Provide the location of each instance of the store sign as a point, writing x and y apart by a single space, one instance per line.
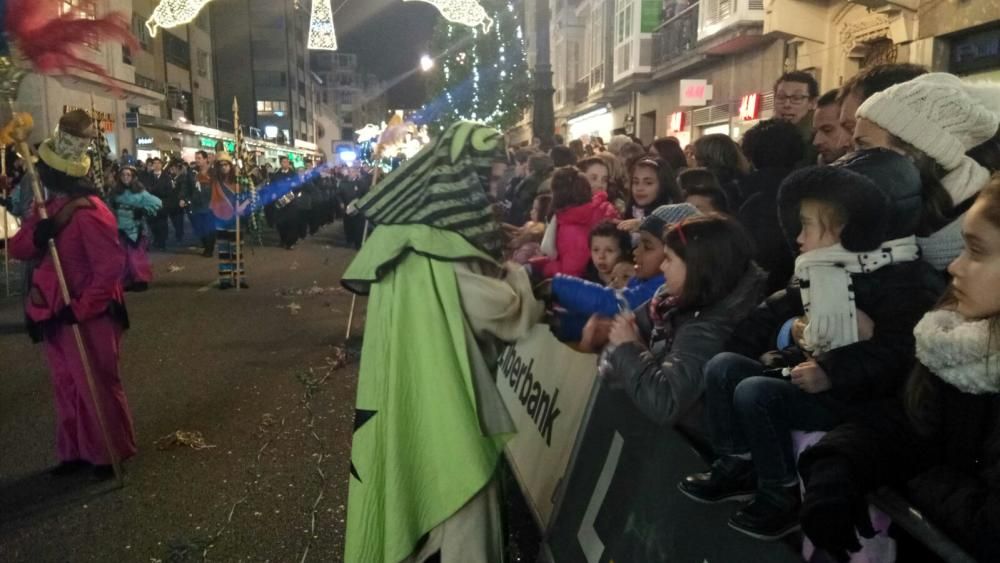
105 121
976 52
750 107
144 141
677 121
695 92
212 143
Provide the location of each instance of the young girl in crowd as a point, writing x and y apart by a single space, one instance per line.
132 205
574 212
581 298
701 189
723 157
526 240
657 354
941 444
608 248
653 185
853 260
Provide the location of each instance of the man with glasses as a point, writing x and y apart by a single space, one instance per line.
795 95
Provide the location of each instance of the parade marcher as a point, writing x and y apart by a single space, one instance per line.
199 196
176 203
92 260
426 394
161 185
227 202
134 207
349 191
283 213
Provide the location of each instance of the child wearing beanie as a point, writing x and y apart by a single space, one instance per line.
936 119
756 396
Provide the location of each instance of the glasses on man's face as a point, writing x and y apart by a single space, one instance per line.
796 99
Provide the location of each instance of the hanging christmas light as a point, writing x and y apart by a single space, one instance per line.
173 13
321 33
464 12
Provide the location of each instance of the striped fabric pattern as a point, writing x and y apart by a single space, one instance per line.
444 186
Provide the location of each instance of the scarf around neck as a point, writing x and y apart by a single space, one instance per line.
944 245
959 351
824 278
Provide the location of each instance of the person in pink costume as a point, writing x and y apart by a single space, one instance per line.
86 236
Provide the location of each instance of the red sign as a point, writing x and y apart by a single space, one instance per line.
677 121
750 107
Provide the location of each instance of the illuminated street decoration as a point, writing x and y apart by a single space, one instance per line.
321 33
464 12
174 13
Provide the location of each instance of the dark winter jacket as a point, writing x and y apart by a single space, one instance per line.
581 299
665 379
163 188
759 215
520 197
950 471
895 297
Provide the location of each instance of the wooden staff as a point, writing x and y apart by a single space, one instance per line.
6 226
21 133
237 253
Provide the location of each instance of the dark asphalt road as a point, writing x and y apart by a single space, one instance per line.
234 366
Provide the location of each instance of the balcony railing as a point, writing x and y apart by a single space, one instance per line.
718 15
676 36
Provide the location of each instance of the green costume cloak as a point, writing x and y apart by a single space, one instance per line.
418 453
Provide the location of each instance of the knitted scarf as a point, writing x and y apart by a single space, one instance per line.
824 277
962 183
444 186
959 351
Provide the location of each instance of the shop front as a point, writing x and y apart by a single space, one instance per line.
594 122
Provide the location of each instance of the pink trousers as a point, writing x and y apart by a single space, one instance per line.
78 433
137 265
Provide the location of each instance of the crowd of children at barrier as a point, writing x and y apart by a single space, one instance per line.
838 271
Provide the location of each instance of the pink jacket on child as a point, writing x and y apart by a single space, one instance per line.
573 236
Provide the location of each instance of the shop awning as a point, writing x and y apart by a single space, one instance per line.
151 138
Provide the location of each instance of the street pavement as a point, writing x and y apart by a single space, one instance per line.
260 373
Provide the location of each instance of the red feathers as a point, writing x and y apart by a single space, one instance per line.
51 41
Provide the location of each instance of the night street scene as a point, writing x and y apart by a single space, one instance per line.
500 281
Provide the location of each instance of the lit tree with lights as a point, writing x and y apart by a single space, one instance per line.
480 75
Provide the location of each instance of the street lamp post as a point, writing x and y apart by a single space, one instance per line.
543 114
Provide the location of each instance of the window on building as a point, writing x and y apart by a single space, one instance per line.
126 55
270 79
176 51
206 111
84 9
595 33
202 63
141 32
272 107
623 35
202 20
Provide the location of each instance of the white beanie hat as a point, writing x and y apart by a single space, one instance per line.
938 114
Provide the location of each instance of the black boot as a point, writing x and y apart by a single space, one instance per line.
731 479
68 468
773 514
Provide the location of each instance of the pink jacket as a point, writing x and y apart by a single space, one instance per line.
573 236
92 259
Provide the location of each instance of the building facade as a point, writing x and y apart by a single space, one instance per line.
268 72
688 68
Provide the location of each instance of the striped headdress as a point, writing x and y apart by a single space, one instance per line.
444 186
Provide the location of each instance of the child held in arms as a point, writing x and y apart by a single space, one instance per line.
861 289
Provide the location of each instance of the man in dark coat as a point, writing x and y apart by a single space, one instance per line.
349 190
161 185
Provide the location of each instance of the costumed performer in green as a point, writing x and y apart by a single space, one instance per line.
430 424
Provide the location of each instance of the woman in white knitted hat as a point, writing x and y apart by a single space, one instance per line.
936 119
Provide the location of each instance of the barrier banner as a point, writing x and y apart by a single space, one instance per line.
620 500
545 386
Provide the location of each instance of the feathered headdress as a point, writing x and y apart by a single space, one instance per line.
48 41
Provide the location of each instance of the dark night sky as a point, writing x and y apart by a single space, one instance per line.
388 36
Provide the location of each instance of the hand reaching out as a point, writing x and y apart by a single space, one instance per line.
810 377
